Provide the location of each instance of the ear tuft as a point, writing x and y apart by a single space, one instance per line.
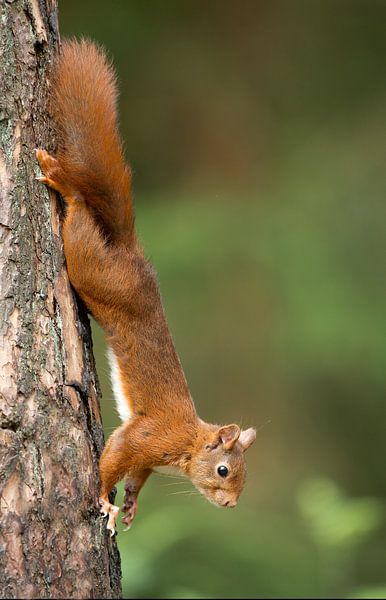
247 437
228 435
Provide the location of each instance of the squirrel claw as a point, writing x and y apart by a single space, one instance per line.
110 511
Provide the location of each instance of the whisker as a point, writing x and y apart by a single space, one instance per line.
169 476
174 483
267 422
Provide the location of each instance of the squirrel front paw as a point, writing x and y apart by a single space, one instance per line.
129 507
110 511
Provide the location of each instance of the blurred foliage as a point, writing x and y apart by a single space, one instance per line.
256 133
336 521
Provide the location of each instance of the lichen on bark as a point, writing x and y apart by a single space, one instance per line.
52 539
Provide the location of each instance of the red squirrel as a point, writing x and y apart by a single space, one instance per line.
106 266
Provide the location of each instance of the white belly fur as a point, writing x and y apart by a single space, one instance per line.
120 399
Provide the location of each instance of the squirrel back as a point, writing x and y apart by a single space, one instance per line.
90 150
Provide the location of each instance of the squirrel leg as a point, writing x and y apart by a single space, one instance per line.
133 486
120 459
109 477
90 263
83 242
112 467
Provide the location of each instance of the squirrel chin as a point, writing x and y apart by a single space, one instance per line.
218 498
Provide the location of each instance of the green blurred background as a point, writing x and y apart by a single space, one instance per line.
256 132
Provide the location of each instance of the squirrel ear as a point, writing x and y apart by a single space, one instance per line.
247 437
229 435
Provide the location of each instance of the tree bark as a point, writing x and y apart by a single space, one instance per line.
53 542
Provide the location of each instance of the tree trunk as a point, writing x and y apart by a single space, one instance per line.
53 542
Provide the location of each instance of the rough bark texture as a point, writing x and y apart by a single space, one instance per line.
53 542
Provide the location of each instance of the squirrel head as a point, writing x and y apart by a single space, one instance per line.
218 468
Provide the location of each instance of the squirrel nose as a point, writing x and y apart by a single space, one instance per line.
230 503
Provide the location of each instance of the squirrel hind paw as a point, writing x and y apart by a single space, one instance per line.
46 161
53 175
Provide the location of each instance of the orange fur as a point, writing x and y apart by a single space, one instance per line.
107 268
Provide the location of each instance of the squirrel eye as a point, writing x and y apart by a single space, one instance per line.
222 470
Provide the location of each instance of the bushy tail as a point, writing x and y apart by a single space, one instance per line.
84 99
